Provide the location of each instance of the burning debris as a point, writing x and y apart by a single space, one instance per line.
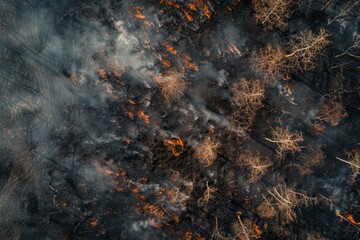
172 119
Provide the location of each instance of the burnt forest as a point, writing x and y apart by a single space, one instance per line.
179 119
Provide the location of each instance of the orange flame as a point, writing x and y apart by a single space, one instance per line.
94 222
154 211
139 14
188 17
102 74
170 48
192 6
176 145
257 230
351 219
188 236
188 63
143 116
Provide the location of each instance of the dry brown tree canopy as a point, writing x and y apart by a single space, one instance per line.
269 63
249 94
172 85
284 200
246 230
286 142
305 48
311 157
256 164
206 151
354 163
332 113
272 13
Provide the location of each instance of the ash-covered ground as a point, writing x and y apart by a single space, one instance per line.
173 119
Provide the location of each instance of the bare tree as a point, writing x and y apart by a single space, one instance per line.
272 13
354 163
241 122
172 85
249 94
246 230
286 142
207 195
305 47
206 151
256 165
285 199
313 156
265 209
346 12
351 51
332 113
268 64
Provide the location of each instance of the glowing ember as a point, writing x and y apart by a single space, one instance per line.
188 63
154 211
351 219
94 222
139 14
143 116
257 230
170 48
188 236
102 74
176 145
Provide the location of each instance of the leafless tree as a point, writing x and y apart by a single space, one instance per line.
256 164
311 157
207 195
286 142
206 151
305 47
172 85
354 163
332 113
285 199
351 51
246 230
265 209
272 13
249 94
269 63
346 12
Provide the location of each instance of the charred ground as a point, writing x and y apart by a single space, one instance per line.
178 119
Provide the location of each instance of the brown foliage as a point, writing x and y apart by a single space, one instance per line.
206 151
249 94
172 86
354 156
312 157
354 163
305 48
332 113
286 142
246 230
266 210
207 195
272 13
268 64
284 200
256 165
317 129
